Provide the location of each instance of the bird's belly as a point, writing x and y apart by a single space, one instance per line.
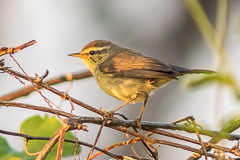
128 88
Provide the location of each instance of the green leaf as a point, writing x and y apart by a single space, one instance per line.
4 146
223 78
8 153
46 127
202 80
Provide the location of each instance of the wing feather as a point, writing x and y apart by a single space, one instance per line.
134 64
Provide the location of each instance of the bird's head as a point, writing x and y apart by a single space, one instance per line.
94 53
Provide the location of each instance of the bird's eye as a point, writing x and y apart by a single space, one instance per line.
92 52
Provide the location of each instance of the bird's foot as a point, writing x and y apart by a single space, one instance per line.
108 115
138 122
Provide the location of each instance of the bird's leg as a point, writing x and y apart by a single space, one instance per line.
110 114
138 120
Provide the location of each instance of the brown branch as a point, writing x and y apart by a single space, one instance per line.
113 124
63 78
119 144
28 137
233 125
129 123
38 108
146 125
34 82
53 90
97 138
151 140
62 133
26 150
146 147
152 126
132 148
59 137
51 143
48 110
199 138
5 50
164 142
187 139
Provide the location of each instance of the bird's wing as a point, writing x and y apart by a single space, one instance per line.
133 64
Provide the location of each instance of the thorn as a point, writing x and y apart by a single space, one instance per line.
2 62
40 79
45 75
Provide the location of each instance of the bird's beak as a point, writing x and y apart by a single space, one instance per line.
80 55
75 55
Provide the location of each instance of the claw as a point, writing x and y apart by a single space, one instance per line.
109 115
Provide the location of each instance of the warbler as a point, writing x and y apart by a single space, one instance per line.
126 74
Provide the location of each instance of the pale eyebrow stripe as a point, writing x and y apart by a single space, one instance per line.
87 50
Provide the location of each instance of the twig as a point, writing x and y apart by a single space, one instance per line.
26 150
97 137
187 139
233 125
1 62
5 50
135 140
53 90
132 148
62 133
146 125
143 124
34 82
54 139
164 142
28 137
51 143
63 78
122 123
199 138
144 144
38 108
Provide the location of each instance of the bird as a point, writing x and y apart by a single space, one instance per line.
127 74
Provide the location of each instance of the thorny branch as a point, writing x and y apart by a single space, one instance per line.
123 126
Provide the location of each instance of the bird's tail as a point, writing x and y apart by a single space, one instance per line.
182 71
